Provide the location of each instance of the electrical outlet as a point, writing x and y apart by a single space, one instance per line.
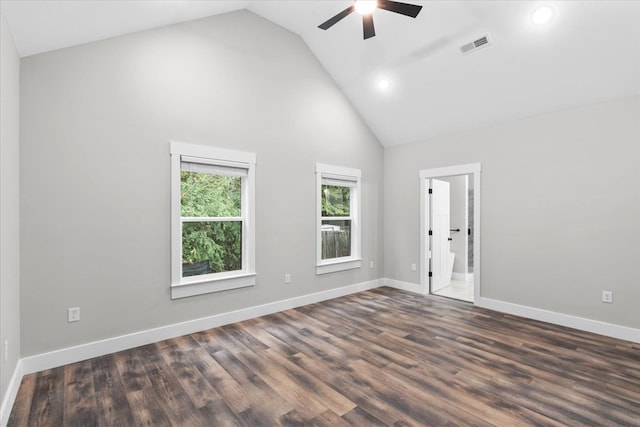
607 296
73 314
370 264
413 267
287 278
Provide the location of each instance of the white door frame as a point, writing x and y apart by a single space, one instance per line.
474 169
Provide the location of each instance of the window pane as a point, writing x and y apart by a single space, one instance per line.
211 247
208 195
336 239
336 200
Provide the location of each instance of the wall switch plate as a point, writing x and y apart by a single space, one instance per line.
6 351
287 278
607 296
370 264
413 267
73 314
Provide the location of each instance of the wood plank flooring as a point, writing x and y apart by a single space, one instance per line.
381 357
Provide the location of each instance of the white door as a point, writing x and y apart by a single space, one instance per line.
439 245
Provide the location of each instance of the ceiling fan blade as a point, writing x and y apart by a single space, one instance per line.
332 21
367 26
407 9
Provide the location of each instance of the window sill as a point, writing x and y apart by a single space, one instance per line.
332 267
207 286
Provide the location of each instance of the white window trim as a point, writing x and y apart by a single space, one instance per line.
339 174
182 287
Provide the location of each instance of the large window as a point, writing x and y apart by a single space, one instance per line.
212 234
338 218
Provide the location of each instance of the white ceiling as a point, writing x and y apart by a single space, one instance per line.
589 52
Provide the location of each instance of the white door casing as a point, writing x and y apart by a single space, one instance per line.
475 169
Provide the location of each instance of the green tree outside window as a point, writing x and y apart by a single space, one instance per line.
210 245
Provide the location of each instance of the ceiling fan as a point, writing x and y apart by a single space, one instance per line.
366 8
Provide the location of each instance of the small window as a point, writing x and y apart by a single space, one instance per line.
338 218
212 238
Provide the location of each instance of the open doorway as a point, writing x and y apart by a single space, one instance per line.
449 227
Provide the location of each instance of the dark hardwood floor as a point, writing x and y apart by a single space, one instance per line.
382 357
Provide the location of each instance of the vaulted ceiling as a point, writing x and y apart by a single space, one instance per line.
588 52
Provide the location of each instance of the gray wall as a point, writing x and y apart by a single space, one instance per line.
96 124
560 208
9 206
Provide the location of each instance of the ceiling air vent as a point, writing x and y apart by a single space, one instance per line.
475 45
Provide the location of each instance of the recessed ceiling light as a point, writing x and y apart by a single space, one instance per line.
542 15
365 7
383 84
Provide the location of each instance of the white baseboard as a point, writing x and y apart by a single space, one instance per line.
405 286
595 326
588 325
81 352
12 392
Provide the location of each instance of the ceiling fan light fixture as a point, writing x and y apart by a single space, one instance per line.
365 7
